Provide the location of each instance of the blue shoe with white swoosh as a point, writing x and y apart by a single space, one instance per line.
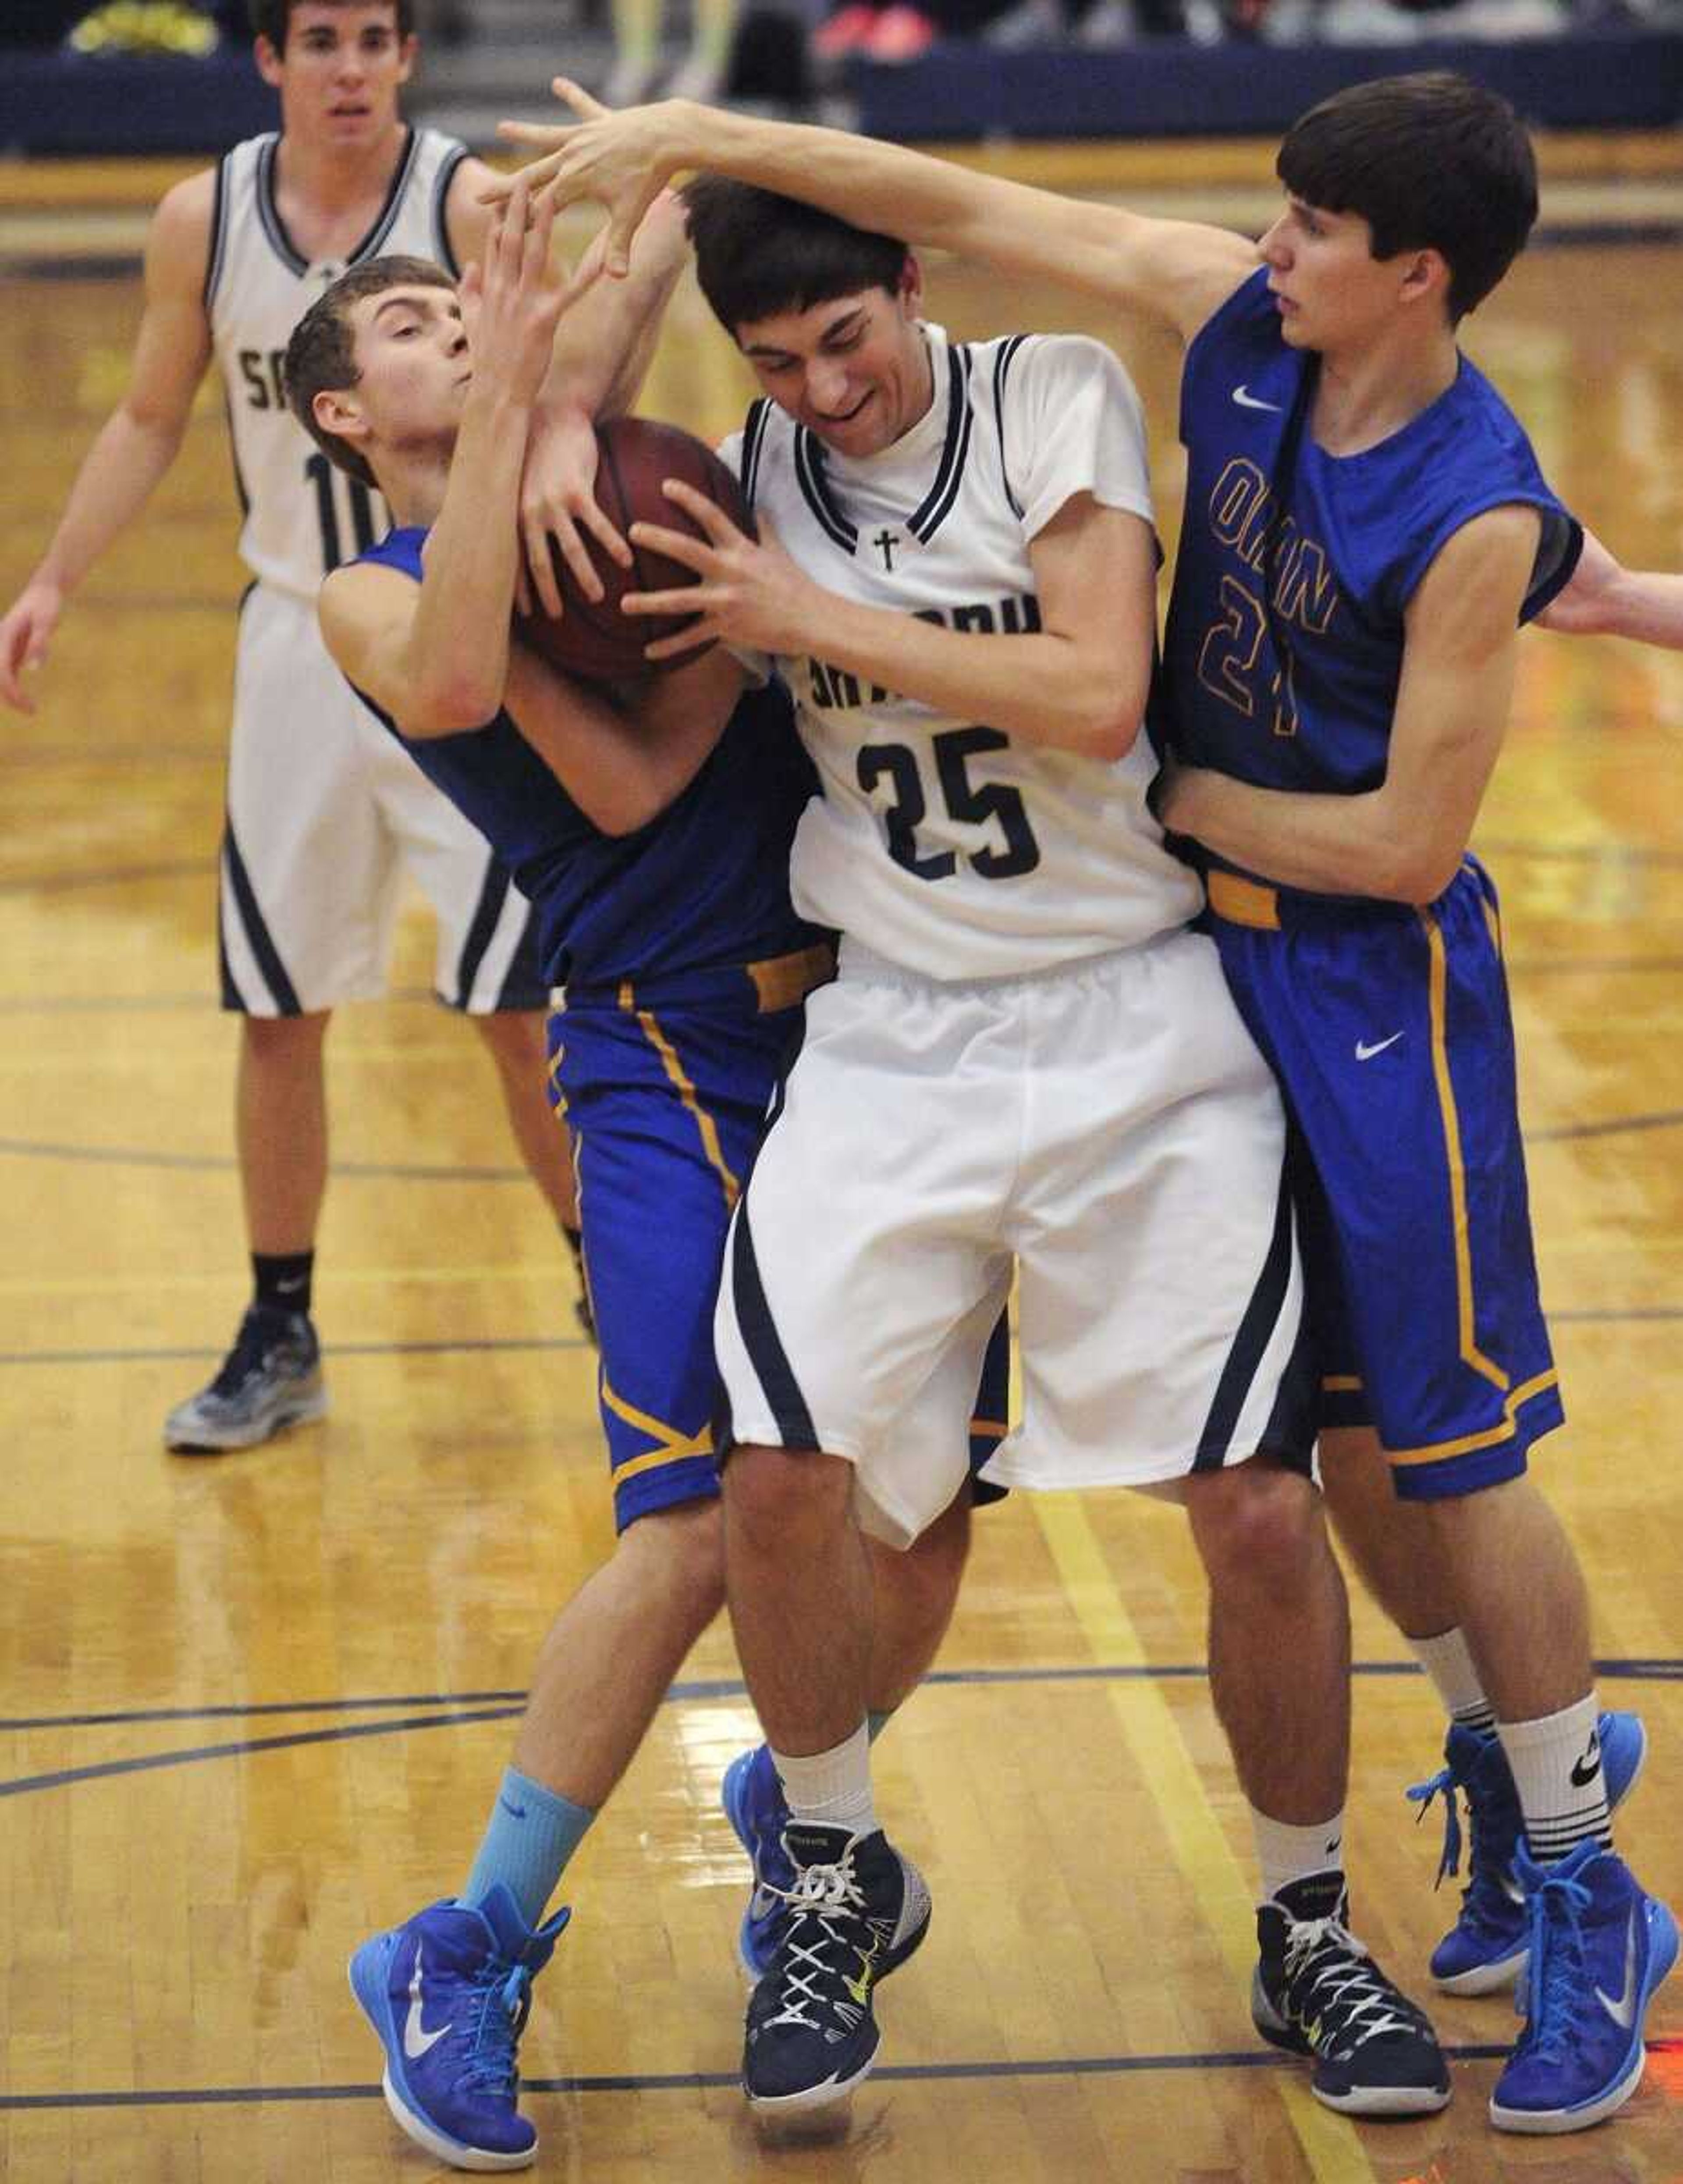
1485 1949
449 1992
1598 1948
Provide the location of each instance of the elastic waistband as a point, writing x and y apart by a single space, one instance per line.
858 962
774 983
1237 900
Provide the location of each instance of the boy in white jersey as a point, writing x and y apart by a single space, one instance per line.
1026 1063
322 807
1406 200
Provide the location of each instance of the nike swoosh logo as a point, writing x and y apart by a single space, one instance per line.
417 2040
519 1812
1624 2011
1366 1053
1585 1771
1248 401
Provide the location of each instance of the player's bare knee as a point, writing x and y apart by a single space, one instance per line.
780 1499
277 1041
679 1553
1256 1527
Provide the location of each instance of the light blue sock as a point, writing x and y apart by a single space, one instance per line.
531 1834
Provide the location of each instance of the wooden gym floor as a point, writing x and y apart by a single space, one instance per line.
255 1707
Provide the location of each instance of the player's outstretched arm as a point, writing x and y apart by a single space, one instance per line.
1403 841
1169 270
1604 598
601 357
137 442
435 658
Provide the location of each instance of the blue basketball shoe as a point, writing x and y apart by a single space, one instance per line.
1597 1948
753 1799
449 1992
1485 1947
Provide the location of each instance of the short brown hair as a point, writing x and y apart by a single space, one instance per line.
1431 162
272 18
321 354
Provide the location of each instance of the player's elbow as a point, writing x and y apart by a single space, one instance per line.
1414 872
448 706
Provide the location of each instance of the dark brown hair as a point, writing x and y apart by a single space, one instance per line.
321 354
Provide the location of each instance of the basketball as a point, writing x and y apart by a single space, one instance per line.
592 639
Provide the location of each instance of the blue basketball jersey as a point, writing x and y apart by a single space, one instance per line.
705 883
1283 650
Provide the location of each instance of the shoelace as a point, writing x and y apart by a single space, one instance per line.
1356 2000
821 1896
1553 1996
1485 1899
502 1998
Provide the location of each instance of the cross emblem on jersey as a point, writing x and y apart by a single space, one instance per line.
884 543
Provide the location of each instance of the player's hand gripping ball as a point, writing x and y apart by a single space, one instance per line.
593 640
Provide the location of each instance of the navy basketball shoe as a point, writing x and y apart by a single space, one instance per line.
270 1379
1485 1947
856 1912
753 1802
1598 1947
1317 1992
449 1992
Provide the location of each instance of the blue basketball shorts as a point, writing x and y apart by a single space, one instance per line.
666 1087
1389 1030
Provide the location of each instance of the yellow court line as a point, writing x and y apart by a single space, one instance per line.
1331 2148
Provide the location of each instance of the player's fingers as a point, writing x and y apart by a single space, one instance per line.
677 545
665 647
577 556
523 590
708 513
686 598
575 96
536 258
588 514
540 563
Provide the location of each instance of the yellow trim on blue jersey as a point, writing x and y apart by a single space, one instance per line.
1439 1451
1342 1384
994 1426
673 1445
686 1092
1470 1353
1243 902
780 981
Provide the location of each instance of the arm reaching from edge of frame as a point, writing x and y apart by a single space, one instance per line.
1176 270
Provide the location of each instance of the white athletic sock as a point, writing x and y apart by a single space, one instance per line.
1557 1772
1448 1662
832 1787
1286 1853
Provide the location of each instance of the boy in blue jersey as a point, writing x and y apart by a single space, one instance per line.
1366 528
652 837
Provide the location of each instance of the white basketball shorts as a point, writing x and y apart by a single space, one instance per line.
1111 1132
326 810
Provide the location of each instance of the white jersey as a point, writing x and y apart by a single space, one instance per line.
946 846
303 515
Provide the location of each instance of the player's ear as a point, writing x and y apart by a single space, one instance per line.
269 66
336 410
910 291
1425 275
406 58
